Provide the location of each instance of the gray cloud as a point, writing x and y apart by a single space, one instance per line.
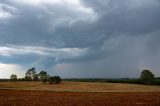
129 16
108 38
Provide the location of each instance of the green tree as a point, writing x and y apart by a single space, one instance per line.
147 77
43 76
30 73
54 79
13 77
35 77
57 79
28 78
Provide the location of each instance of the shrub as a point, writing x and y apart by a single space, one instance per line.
54 79
44 80
27 78
156 82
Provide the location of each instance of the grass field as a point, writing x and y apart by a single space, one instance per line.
78 94
80 87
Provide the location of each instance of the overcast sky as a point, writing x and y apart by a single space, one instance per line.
80 38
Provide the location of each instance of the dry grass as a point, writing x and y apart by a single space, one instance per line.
83 94
80 87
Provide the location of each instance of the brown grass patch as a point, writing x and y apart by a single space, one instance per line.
79 87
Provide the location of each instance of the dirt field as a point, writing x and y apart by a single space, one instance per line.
78 94
48 98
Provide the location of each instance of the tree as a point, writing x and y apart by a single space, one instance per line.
13 77
54 79
35 77
28 78
43 76
30 73
147 77
57 79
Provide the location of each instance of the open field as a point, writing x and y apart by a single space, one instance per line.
80 87
48 98
78 94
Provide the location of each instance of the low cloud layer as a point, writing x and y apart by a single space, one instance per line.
81 38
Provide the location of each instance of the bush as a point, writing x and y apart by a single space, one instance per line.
27 78
54 79
57 79
44 80
156 82
13 79
23 79
131 81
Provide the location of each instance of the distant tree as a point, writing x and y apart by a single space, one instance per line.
57 79
13 77
23 79
19 79
147 77
158 78
54 79
35 77
27 78
30 73
43 76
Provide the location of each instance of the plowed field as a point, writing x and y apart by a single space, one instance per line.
50 98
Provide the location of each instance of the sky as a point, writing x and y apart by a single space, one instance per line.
80 38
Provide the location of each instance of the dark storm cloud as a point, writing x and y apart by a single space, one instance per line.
117 37
127 16
47 25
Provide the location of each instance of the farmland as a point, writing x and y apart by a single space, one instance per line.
79 87
78 93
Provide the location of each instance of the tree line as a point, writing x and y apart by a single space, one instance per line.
31 75
146 77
